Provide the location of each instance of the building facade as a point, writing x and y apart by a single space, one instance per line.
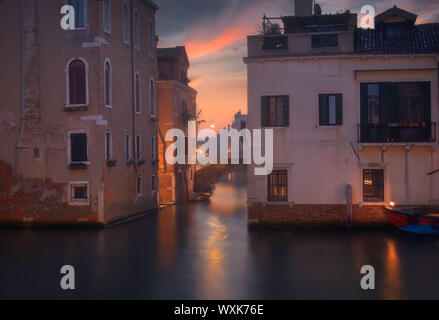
354 115
79 123
177 106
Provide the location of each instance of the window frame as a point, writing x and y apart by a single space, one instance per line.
151 39
270 197
137 92
153 98
107 61
67 72
265 111
154 153
154 183
136 28
108 145
70 193
69 146
125 23
68 2
138 144
128 147
139 186
375 200
338 109
104 18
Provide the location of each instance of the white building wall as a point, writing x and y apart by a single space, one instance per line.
320 160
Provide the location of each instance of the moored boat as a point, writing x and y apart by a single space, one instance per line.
414 219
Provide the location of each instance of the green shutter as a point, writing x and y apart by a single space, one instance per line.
286 111
364 103
264 111
339 103
323 110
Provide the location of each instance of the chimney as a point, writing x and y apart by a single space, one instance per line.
303 8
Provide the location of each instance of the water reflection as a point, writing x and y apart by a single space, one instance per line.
204 251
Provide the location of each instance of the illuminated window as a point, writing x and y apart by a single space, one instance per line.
373 185
278 186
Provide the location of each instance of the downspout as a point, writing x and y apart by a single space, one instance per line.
133 82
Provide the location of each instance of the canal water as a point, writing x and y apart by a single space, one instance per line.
204 251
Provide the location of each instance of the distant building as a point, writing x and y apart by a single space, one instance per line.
177 106
78 122
240 121
349 107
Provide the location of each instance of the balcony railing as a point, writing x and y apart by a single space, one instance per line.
397 133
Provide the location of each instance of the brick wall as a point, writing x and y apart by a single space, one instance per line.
315 216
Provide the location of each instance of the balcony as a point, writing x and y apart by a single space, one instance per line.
421 132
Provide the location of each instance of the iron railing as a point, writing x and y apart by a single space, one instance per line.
397 132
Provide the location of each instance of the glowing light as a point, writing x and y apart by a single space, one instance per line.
392 204
212 126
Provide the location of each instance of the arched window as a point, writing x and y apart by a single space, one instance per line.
136 29
125 23
137 94
152 97
108 84
77 83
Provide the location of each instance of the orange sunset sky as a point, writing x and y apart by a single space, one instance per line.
214 33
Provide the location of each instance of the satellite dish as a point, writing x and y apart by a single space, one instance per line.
317 10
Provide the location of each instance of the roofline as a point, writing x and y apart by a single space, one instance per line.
152 5
176 83
339 56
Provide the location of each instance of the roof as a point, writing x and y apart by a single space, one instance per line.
173 53
422 38
395 12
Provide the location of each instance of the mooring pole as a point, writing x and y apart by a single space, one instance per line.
348 206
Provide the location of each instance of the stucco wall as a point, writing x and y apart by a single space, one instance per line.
320 160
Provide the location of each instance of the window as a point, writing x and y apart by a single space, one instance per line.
125 23
108 146
80 12
138 147
137 100
396 112
108 84
78 147
136 29
176 105
77 90
275 111
324 40
275 43
106 8
373 185
330 109
139 186
152 97
151 39
153 183
128 147
278 186
154 148
79 193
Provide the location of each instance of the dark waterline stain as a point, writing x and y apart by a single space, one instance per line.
205 251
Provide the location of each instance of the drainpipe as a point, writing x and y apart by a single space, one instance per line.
133 82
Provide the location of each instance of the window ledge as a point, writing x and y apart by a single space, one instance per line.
79 204
271 203
153 117
335 126
76 107
141 162
365 144
155 161
78 165
111 163
108 106
373 204
130 161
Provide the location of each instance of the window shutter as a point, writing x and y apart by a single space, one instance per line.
339 101
364 103
323 109
286 111
264 111
389 103
426 93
